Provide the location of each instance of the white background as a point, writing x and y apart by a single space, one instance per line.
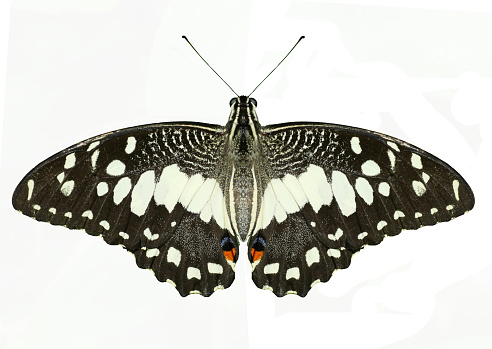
418 70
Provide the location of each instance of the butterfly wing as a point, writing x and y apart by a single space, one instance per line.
157 190
330 190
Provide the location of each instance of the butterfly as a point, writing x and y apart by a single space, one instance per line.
304 196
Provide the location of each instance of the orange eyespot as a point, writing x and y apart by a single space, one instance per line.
229 255
256 255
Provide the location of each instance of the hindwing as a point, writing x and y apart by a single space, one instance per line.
329 190
157 190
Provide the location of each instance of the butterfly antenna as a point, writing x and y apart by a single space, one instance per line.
288 53
188 41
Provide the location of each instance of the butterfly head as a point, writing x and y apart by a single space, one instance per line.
243 108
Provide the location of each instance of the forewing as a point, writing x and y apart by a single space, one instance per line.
157 190
329 190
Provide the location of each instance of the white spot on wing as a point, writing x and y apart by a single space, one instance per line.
121 190
392 159
384 189
152 252
381 225
355 145
313 224
214 268
295 189
170 186
312 256
61 177
104 224
192 186
364 190
434 210
193 273
130 145
94 157
268 204
69 161
173 256
398 214
449 207
332 252
362 235
102 188
88 214
206 213
292 273
52 210
218 287
217 202
284 196
418 188
280 214
93 145
316 187
115 168
393 145
30 188
425 177
418 214
338 234
343 192
142 193
370 168
124 235
68 214
67 188
416 161
271 268
202 195
36 207
456 185
148 234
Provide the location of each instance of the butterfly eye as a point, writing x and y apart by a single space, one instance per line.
232 101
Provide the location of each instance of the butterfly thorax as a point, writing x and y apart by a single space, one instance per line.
244 150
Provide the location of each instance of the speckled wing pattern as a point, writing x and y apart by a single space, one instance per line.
334 189
157 190
304 196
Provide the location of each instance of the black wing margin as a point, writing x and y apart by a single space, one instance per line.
157 190
335 189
